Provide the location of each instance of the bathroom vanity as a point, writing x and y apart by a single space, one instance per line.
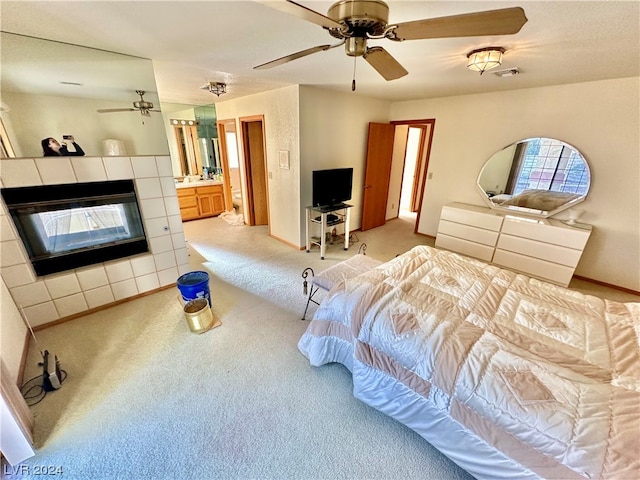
200 199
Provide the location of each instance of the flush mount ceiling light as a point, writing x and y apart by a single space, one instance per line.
216 87
485 59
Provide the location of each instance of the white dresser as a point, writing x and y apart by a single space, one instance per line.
544 248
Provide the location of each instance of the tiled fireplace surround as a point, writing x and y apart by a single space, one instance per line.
54 297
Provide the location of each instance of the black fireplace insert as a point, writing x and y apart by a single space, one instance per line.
73 225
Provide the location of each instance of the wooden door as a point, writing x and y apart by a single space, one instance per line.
255 167
377 175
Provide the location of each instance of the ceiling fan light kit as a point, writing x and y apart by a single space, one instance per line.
485 59
355 22
218 88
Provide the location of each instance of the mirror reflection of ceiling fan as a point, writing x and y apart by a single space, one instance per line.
141 105
354 22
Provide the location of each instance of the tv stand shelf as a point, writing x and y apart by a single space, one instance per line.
327 216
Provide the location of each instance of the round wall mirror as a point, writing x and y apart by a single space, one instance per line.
535 176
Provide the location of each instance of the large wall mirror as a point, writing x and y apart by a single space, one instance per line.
536 176
51 89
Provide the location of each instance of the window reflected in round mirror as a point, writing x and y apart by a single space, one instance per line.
535 176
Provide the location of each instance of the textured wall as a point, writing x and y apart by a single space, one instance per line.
601 119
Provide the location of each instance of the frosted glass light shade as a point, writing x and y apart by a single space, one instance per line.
485 59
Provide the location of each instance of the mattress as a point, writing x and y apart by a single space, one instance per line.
508 376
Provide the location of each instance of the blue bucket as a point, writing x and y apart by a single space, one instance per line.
193 285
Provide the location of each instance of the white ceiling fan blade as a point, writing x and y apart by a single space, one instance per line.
302 12
109 110
506 21
384 63
293 56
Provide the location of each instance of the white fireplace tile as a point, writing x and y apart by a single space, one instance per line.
124 289
171 205
31 294
153 208
165 260
19 172
6 229
41 313
144 167
118 168
143 265
11 254
99 296
168 276
147 282
182 256
156 227
89 169
71 305
62 285
168 185
175 223
55 170
178 241
17 275
118 271
184 268
161 244
165 168
148 188
92 277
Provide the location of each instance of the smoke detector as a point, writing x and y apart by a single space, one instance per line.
510 72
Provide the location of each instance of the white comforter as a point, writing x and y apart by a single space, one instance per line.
508 376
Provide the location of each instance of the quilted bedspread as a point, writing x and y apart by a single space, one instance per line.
509 376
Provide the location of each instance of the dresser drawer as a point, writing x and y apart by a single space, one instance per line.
470 215
472 249
544 251
467 232
558 235
534 267
186 192
186 202
190 213
209 190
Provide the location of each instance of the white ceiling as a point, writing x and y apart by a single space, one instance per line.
194 42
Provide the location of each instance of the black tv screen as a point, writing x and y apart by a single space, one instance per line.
331 187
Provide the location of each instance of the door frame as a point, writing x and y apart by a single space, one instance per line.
224 160
423 160
246 159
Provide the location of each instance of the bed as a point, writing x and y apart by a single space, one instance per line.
508 376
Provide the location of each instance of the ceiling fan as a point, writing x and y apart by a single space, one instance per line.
356 21
141 105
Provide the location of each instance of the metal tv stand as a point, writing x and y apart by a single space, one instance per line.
327 216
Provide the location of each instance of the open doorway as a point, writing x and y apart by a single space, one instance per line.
396 171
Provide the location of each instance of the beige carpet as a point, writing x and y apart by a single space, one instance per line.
145 398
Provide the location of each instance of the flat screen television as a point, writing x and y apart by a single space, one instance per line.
331 187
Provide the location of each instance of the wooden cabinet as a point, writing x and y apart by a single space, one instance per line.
210 200
200 201
546 248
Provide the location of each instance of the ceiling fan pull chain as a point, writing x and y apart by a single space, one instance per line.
353 82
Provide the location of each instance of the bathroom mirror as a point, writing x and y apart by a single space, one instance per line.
51 89
536 176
